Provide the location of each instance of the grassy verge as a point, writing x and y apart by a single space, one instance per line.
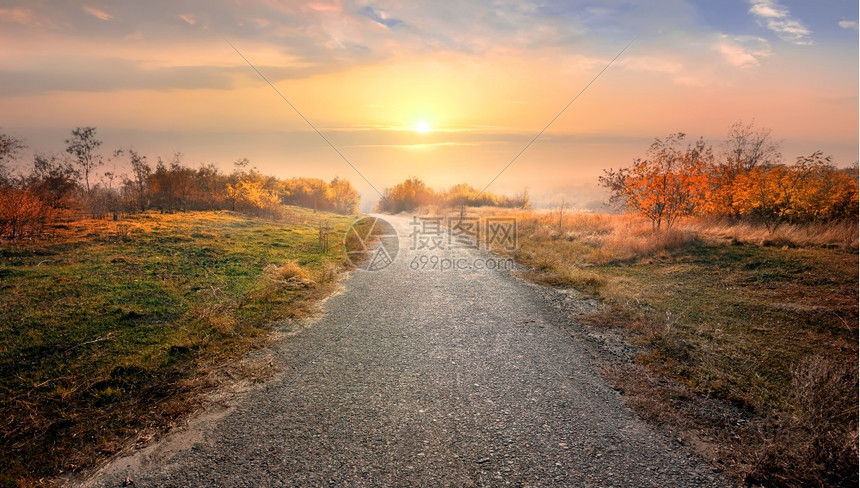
107 327
764 323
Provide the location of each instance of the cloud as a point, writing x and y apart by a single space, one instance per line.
25 17
379 17
189 19
742 51
848 24
17 15
777 18
768 9
92 74
99 14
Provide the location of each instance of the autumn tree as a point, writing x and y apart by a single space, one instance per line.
210 187
407 196
811 190
344 197
22 213
670 183
744 149
181 182
251 193
307 192
83 146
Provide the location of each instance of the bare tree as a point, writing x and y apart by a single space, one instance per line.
138 184
53 179
9 148
746 147
83 146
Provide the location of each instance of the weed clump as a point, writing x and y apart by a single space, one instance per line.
822 431
289 275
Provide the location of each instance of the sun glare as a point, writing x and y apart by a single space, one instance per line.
423 127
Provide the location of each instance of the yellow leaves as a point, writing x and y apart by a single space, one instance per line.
810 190
673 182
22 212
251 193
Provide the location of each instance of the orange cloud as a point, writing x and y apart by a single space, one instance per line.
21 16
97 13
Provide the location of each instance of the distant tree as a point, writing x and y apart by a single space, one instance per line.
407 196
307 192
160 187
110 195
83 146
460 195
9 148
252 194
670 183
521 200
181 183
137 184
53 179
344 197
210 187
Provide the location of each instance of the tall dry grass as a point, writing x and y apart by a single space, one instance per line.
605 238
584 239
842 234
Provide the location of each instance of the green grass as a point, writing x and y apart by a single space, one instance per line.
735 321
103 326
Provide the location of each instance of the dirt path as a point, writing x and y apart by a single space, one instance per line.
423 378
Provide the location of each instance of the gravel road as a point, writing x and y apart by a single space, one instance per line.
423 378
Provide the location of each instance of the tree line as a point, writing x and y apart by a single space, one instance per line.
413 193
69 185
746 180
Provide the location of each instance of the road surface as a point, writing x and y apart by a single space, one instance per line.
416 377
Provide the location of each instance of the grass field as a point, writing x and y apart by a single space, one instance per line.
107 327
766 322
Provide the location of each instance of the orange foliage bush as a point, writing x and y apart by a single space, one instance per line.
673 182
22 213
413 193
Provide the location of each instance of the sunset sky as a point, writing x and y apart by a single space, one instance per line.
446 91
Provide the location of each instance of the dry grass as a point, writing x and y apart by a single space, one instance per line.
573 241
289 275
835 234
604 239
816 444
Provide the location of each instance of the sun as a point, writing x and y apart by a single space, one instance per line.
422 126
